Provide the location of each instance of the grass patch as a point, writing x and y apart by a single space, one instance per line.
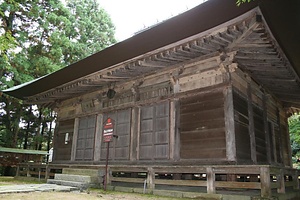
9 180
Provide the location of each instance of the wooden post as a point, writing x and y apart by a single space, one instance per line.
28 171
211 177
229 125
134 133
138 133
150 179
251 123
266 128
281 183
280 159
98 137
174 130
265 182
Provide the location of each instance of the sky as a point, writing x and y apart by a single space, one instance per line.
130 16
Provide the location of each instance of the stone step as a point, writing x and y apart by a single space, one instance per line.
86 172
80 185
73 178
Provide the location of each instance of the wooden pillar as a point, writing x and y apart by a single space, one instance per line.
98 137
251 123
229 124
266 128
74 140
280 159
134 133
211 177
281 182
174 130
150 179
138 133
265 182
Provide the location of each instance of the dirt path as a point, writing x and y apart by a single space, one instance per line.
78 196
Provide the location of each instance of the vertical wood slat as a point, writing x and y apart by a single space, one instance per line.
98 137
229 125
251 124
265 182
75 136
211 177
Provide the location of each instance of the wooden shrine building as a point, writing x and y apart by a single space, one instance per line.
202 98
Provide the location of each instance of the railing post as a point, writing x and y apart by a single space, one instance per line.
28 171
211 177
265 182
150 179
39 168
281 183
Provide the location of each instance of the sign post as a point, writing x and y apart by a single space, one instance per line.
108 133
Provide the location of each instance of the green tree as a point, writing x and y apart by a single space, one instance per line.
92 30
40 37
294 129
239 2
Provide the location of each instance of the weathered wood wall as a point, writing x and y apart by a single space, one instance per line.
260 124
62 150
202 126
204 111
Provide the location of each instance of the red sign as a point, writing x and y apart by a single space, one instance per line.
108 130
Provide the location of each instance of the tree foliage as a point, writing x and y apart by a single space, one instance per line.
39 37
239 2
294 128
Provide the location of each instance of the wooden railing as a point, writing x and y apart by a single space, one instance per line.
263 178
212 178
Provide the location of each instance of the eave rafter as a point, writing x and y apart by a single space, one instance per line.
257 53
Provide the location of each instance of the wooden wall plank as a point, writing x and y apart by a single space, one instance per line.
202 126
